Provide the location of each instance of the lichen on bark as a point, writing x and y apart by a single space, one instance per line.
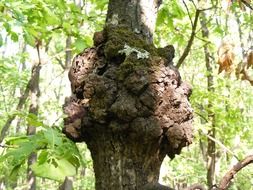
128 110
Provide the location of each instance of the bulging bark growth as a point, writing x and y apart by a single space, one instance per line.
130 106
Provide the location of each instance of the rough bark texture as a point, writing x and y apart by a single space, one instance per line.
129 109
34 107
137 15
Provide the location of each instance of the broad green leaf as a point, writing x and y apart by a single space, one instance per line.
29 39
163 13
52 136
16 140
51 18
33 120
16 156
67 27
14 36
80 44
178 10
15 170
42 157
56 169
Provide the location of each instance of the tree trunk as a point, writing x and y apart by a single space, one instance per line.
34 107
21 102
211 148
137 15
67 184
129 104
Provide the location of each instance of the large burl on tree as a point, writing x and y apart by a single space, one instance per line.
130 106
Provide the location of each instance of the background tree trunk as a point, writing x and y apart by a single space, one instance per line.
211 147
34 107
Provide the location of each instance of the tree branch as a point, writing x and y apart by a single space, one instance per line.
226 180
247 4
220 144
190 42
188 12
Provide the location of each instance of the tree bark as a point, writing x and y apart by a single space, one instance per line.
137 15
68 55
21 103
67 184
129 103
227 178
34 107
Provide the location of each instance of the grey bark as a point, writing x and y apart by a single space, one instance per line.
34 107
68 55
67 184
20 105
211 147
137 15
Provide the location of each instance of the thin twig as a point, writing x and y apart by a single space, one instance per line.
220 144
188 12
190 42
7 146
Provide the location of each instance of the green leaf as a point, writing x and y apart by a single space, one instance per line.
17 156
33 120
163 13
16 140
29 39
15 170
51 18
218 30
1 40
80 44
55 170
43 157
52 137
14 36
178 10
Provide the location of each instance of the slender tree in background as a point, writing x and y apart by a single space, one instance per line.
211 150
33 109
129 104
68 182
